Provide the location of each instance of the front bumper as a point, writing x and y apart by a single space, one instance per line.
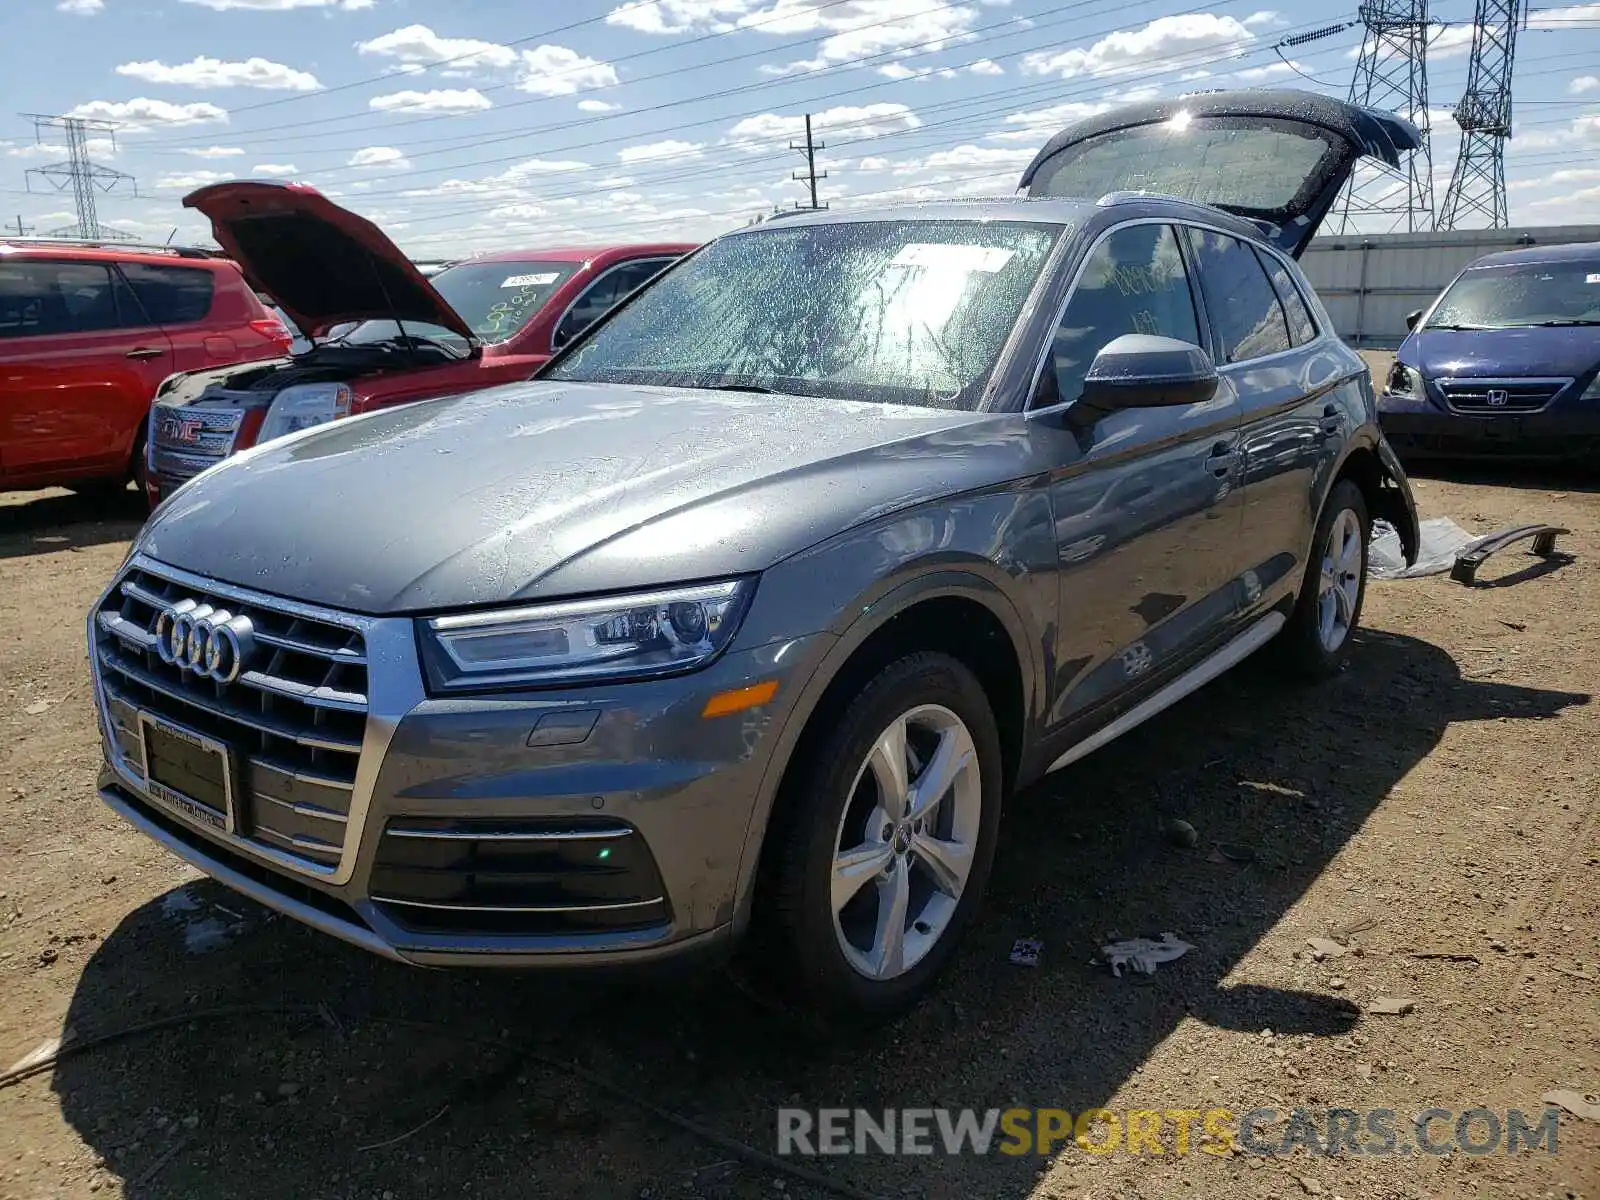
473 840
1423 429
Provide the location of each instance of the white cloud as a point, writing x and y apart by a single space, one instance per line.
874 163
846 121
598 106
1162 44
1451 41
985 66
81 8
281 5
963 157
192 179
448 101
678 16
1584 83
654 151
385 157
518 211
863 28
1277 70
1036 125
558 71
274 170
98 147
510 182
212 151
203 72
1578 205
1556 179
1266 18
135 116
1570 17
418 45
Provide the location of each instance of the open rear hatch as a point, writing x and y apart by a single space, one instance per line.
321 264
1275 156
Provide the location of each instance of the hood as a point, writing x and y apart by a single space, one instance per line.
1275 156
1503 353
540 490
320 263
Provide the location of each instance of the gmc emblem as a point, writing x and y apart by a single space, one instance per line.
181 429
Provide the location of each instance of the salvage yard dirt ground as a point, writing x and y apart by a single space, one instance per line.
1440 797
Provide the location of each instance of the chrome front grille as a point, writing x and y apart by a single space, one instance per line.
294 720
186 439
1491 396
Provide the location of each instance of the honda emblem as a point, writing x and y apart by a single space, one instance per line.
1497 397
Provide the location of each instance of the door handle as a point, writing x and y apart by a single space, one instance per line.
1221 459
145 352
1332 420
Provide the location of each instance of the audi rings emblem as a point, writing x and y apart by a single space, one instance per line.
210 642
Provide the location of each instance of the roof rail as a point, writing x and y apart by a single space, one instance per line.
114 244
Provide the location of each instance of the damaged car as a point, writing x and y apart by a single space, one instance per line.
381 330
738 624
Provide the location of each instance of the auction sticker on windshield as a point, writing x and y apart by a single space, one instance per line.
952 257
531 280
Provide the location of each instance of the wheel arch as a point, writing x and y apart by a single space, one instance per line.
956 611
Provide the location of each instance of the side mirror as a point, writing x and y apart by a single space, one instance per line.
1139 370
1412 318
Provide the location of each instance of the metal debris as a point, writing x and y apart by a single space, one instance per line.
1025 952
1143 955
1389 1006
1579 1104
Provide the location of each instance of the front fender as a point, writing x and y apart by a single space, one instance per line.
1395 503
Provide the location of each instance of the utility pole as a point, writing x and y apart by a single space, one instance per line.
85 177
1392 74
1478 183
23 230
810 176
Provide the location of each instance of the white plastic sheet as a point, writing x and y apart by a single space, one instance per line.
1442 540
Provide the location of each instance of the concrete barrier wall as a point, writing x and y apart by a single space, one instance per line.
1370 282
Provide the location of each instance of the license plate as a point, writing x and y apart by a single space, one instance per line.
187 772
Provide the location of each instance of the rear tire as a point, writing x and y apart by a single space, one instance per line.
871 885
1315 644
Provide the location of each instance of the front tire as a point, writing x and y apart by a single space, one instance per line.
884 838
1316 641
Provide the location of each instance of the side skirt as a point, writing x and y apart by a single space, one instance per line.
1196 677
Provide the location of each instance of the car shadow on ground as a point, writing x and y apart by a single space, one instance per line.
1540 477
425 1084
44 522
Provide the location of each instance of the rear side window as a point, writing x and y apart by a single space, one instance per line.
1133 282
40 298
1302 328
171 295
1245 314
605 292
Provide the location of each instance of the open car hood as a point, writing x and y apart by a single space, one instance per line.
320 263
1275 156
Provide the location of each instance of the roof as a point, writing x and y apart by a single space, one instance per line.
580 253
1053 210
108 251
1570 252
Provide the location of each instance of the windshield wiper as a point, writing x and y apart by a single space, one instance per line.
1575 323
1462 328
744 387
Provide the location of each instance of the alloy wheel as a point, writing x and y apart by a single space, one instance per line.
1339 588
906 842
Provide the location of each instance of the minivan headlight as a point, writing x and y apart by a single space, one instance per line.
303 406
1404 381
1592 392
613 637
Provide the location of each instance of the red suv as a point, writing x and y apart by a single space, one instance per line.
87 333
381 333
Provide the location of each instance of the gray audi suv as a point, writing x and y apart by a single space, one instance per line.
749 611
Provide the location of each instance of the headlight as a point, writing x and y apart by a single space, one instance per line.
1404 381
302 407
634 636
1592 392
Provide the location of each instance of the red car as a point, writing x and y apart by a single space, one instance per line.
87 333
380 332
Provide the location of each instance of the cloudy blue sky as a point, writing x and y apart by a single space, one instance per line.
481 124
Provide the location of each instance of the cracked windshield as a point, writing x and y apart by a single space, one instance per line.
905 312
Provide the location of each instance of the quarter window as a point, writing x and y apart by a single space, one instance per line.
40 298
1245 314
604 293
1302 328
171 295
1133 282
